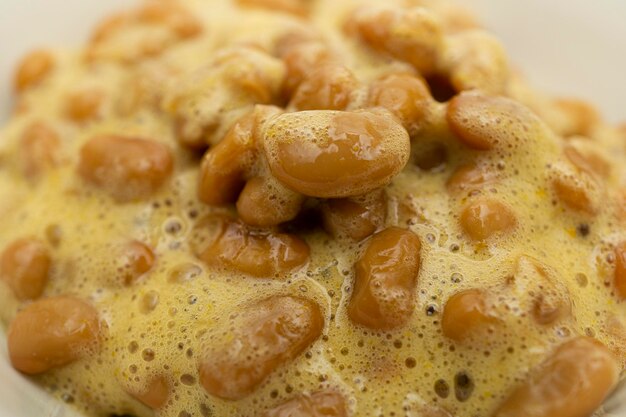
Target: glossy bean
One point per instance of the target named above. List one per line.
(326, 88)
(470, 178)
(572, 382)
(484, 218)
(155, 394)
(413, 35)
(52, 332)
(125, 167)
(466, 314)
(264, 202)
(136, 259)
(334, 154)
(224, 168)
(272, 332)
(385, 280)
(405, 95)
(225, 243)
(482, 121)
(25, 267)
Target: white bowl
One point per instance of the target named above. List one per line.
(568, 47)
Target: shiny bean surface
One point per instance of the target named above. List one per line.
(52, 332)
(300, 60)
(265, 203)
(412, 35)
(333, 154)
(317, 404)
(223, 166)
(127, 168)
(155, 394)
(385, 280)
(326, 88)
(467, 313)
(405, 95)
(273, 332)
(225, 243)
(483, 122)
(575, 191)
(136, 259)
(25, 267)
(572, 382)
(470, 178)
(484, 218)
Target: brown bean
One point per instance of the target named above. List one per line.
(355, 217)
(549, 297)
(332, 154)
(470, 178)
(326, 88)
(581, 116)
(476, 60)
(136, 259)
(619, 277)
(297, 7)
(385, 280)
(39, 149)
(25, 267)
(405, 95)
(272, 333)
(299, 60)
(572, 382)
(484, 218)
(155, 394)
(317, 404)
(574, 190)
(84, 105)
(483, 122)
(467, 313)
(229, 244)
(52, 332)
(224, 167)
(33, 69)
(412, 35)
(205, 102)
(171, 15)
(125, 167)
(586, 157)
(264, 202)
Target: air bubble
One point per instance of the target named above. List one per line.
(147, 355)
(463, 386)
(442, 389)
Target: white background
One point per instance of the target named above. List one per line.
(572, 47)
